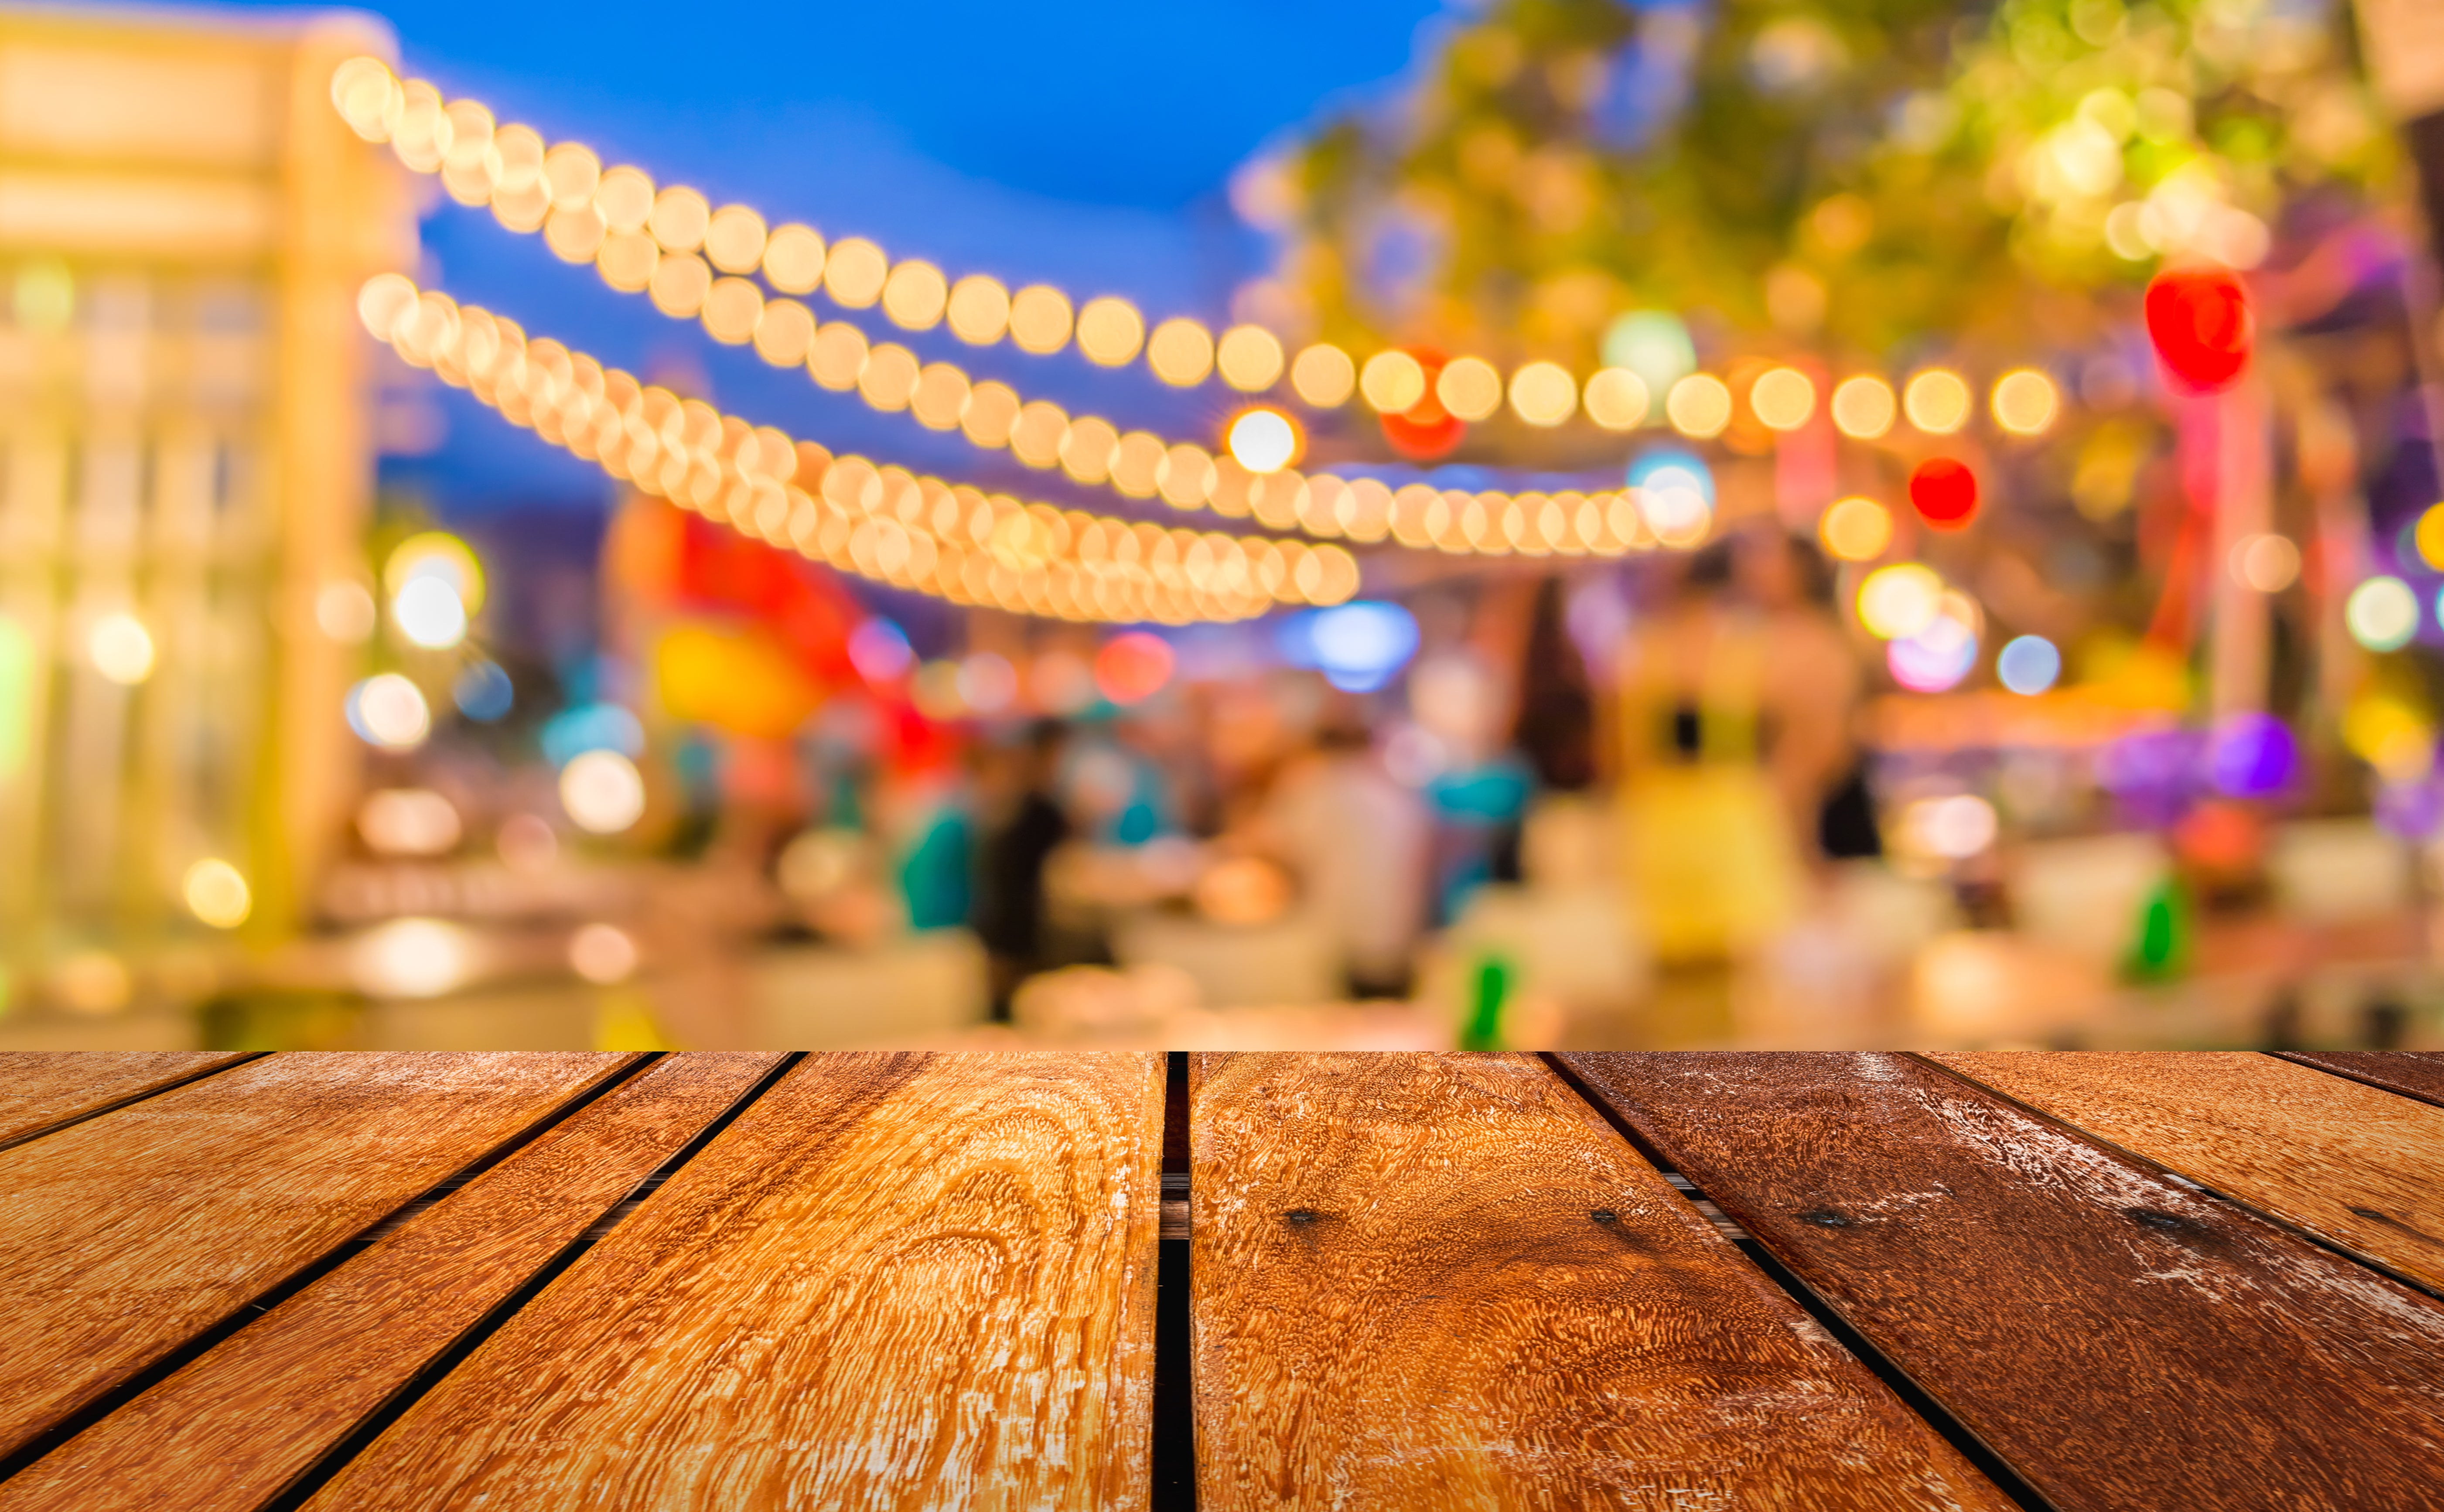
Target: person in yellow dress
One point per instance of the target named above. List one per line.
(1731, 729)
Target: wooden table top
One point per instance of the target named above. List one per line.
(1012, 1282)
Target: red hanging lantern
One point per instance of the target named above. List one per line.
(2198, 317)
(1944, 492)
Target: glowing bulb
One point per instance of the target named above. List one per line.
(1936, 401)
(120, 649)
(854, 273)
(1263, 440)
(1899, 601)
(1863, 407)
(435, 554)
(1250, 357)
(388, 710)
(1110, 330)
(1544, 393)
(978, 310)
(2268, 563)
(1855, 529)
(1617, 398)
(602, 954)
(1039, 319)
(2382, 613)
(1783, 398)
(1468, 387)
(1323, 376)
(603, 792)
(346, 611)
(1392, 382)
(913, 296)
(429, 614)
(793, 259)
(1698, 406)
(2029, 665)
(2026, 402)
(1180, 352)
(411, 958)
(216, 892)
(2429, 537)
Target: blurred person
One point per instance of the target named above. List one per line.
(1019, 824)
(1731, 705)
(1358, 842)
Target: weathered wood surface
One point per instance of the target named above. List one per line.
(2123, 1341)
(42, 1089)
(2353, 1165)
(1442, 1281)
(2412, 1073)
(126, 1235)
(239, 1424)
(897, 1282)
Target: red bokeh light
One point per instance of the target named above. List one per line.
(2199, 320)
(1944, 491)
(1425, 430)
(1133, 667)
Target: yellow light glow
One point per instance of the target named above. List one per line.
(915, 294)
(1898, 601)
(679, 283)
(2267, 564)
(120, 649)
(1040, 319)
(1618, 399)
(1783, 398)
(2026, 402)
(1863, 407)
(1250, 357)
(793, 259)
(889, 378)
(383, 301)
(979, 310)
(571, 175)
(1392, 380)
(625, 197)
(734, 239)
(854, 273)
(216, 892)
(1855, 529)
(733, 307)
(1544, 393)
(992, 410)
(1698, 406)
(678, 219)
(363, 91)
(575, 235)
(626, 260)
(1323, 376)
(785, 332)
(1110, 330)
(390, 712)
(1936, 401)
(603, 792)
(1181, 351)
(1468, 387)
(1087, 448)
(1264, 441)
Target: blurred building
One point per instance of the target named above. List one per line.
(185, 472)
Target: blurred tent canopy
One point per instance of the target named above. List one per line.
(1856, 177)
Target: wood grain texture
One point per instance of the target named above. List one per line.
(2123, 1341)
(126, 1235)
(897, 1282)
(236, 1426)
(42, 1089)
(2413, 1073)
(1442, 1281)
(2353, 1165)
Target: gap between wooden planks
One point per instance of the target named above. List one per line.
(1443, 1282)
(2126, 1343)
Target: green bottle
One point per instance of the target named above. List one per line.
(1484, 1028)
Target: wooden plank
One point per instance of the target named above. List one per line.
(125, 1236)
(43, 1089)
(2124, 1341)
(2353, 1165)
(2413, 1073)
(236, 1426)
(1441, 1280)
(898, 1280)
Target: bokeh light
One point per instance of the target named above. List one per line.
(603, 954)
(2428, 538)
(2382, 614)
(1944, 491)
(1357, 646)
(1698, 406)
(1264, 440)
(2026, 402)
(1783, 398)
(1653, 345)
(1938, 401)
(1180, 352)
(120, 648)
(1955, 827)
(1110, 330)
(2268, 563)
(978, 310)
(793, 259)
(854, 273)
(1468, 387)
(411, 958)
(2029, 665)
(1618, 399)
(878, 650)
(1934, 658)
(1133, 667)
(603, 792)
(1855, 529)
(1899, 601)
(1392, 380)
(2198, 319)
(1863, 407)
(1248, 358)
(408, 821)
(2252, 754)
(1323, 376)
(435, 554)
(1040, 319)
(988, 683)
(429, 614)
(1544, 393)
(483, 692)
(216, 892)
(389, 711)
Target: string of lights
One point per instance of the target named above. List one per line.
(696, 260)
(875, 521)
